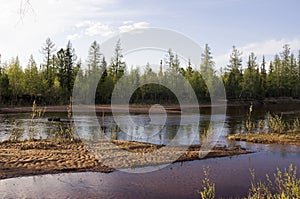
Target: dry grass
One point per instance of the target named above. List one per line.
(267, 138)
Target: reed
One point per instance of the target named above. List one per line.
(208, 187)
(36, 113)
(276, 124)
(249, 125)
(66, 133)
(16, 133)
(284, 185)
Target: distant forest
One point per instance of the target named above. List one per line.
(51, 82)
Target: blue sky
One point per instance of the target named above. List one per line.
(259, 26)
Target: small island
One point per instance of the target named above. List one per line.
(36, 157)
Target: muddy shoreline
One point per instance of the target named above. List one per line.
(50, 157)
(144, 108)
(268, 138)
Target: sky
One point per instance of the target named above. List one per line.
(259, 26)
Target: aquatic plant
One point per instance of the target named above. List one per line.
(36, 113)
(261, 125)
(65, 133)
(249, 125)
(285, 185)
(70, 131)
(276, 123)
(16, 133)
(208, 187)
(296, 124)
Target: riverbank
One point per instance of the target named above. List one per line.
(267, 138)
(49, 157)
(144, 108)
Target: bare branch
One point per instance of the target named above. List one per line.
(25, 8)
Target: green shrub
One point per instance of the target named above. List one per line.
(208, 188)
(285, 185)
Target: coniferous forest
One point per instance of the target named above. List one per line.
(51, 82)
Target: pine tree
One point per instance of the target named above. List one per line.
(263, 78)
(15, 76)
(208, 73)
(297, 82)
(277, 78)
(47, 49)
(251, 79)
(66, 70)
(117, 66)
(94, 58)
(285, 71)
(233, 83)
(31, 77)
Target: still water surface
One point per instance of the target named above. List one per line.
(179, 180)
(158, 128)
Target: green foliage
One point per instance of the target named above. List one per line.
(65, 133)
(261, 126)
(233, 79)
(15, 77)
(249, 125)
(36, 113)
(276, 123)
(51, 82)
(208, 187)
(296, 124)
(285, 185)
(16, 133)
(251, 82)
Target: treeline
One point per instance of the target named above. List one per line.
(51, 82)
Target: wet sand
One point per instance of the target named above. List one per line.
(49, 157)
(268, 138)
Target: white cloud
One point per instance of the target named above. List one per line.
(270, 47)
(47, 18)
(267, 48)
(130, 26)
(83, 24)
(127, 22)
(99, 29)
(93, 28)
(73, 37)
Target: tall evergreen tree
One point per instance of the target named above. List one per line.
(207, 72)
(285, 71)
(48, 49)
(251, 79)
(94, 57)
(66, 69)
(234, 81)
(15, 76)
(263, 78)
(117, 66)
(31, 79)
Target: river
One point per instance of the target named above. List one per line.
(178, 180)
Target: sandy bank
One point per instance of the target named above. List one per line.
(47, 157)
(267, 138)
